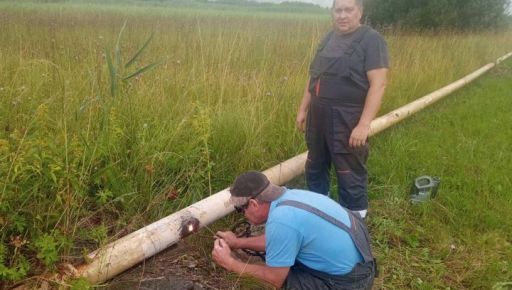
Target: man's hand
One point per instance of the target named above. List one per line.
(221, 254)
(230, 238)
(301, 120)
(302, 113)
(377, 79)
(359, 136)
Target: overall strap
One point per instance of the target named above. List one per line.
(319, 213)
(357, 229)
(357, 41)
(324, 41)
(351, 48)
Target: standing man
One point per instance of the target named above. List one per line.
(343, 95)
(311, 242)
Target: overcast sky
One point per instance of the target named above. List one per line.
(323, 3)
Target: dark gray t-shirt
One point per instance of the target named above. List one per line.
(370, 53)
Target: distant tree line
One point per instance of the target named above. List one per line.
(435, 14)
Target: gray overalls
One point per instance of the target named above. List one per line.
(362, 275)
(337, 102)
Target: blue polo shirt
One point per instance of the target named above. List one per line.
(295, 234)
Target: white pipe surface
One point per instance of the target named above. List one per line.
(130, 250)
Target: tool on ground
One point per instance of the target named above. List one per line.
(242, 229)
(424, 188)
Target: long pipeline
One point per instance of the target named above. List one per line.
(130, 250)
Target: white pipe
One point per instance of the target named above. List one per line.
(503, 58)
(401, 113)
(130, 250)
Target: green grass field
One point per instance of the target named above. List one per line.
(461, 239)
(80, 165)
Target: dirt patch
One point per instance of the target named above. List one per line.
(186, 265)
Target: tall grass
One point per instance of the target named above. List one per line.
(80, 167)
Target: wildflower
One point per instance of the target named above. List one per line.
(172, 193)
(41, 111)
(16, 101)
(18, 242)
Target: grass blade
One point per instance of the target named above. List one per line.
(139, 52)
(141, 70)
(112, 73)
(118, 45)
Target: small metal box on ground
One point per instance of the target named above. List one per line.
(424, 188)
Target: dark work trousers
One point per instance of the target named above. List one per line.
(329, 125)
(301, 277)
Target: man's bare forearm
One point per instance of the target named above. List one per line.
(256, 243)
(306, 99)
(373, 101)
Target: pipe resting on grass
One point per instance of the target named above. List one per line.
(130, 250)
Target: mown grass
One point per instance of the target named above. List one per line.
(461, 239)
(79, 167)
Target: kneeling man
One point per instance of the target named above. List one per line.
(311, 242)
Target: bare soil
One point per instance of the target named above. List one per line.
(186, 265)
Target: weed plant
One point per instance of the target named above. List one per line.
(81, 166)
